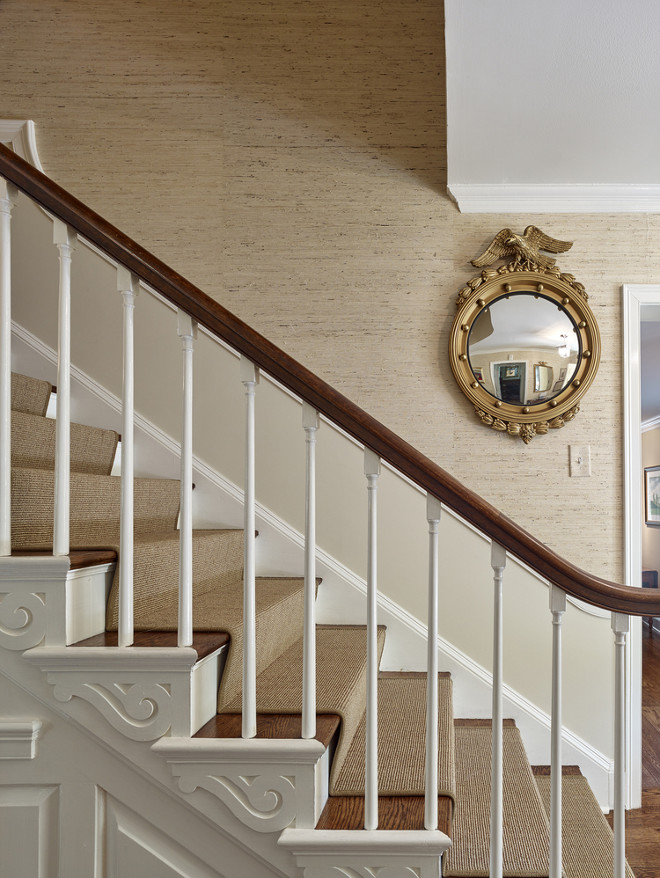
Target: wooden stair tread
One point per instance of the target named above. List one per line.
(204, 642)
(78, 558)
(275, 726)
(394, 812)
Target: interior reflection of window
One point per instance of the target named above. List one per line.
(523, 348)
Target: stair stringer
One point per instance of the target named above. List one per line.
(342, 596)
(98, 805)
(143, 704)
(263, 796)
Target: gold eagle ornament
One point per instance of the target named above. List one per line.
(525, 247)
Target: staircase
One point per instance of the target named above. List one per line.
(464, 744)
(204, 667)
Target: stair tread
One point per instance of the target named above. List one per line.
(204, 642)
(29, 395)
(91, 449)
(582, 818)
(526, 836)
(402, 739)
(95, 507)
(394, 812)
(273, 726)
(340, 680)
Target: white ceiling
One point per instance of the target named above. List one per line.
(553, 106)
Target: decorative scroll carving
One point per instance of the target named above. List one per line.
(489, 274)
(23, 620)
(266, 802)
(142, 712)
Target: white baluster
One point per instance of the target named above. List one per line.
(433, 512)
(127, 286)
(187, 331)
(64, 239)
(620, 626)
(557, 608)
(310, 426)
(249, 378)
(8, 196)
(498, 563)
(372, 472)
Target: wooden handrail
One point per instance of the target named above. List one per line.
(324, 398)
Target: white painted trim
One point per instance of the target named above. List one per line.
(112, 658)
(379, 842)
(555, 198)
(18, 740)
(635, 296)
(651, 424)
(20, 135)
(43, 568)
(257, 750)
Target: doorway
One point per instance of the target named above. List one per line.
(641, 303)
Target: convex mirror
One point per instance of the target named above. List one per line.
(524, 346)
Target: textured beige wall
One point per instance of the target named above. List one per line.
(289, 158)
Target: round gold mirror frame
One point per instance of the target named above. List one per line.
(521, 420)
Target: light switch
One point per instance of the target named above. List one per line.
(579, 457)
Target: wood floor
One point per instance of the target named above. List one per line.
(643, 826)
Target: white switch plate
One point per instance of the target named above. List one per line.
(579, 457)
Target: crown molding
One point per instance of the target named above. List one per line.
(20, 135)
(555, 198)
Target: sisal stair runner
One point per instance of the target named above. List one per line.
(464, 745)
(583, 819)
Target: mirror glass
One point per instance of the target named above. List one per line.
(523, 348)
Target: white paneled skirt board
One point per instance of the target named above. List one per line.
(70, 806)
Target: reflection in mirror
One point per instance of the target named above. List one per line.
(523, 348)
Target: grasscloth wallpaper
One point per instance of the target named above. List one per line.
(288, 156)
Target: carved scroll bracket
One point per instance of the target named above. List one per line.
(142, 696)
(266, 784)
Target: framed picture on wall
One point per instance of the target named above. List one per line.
(652, 495)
